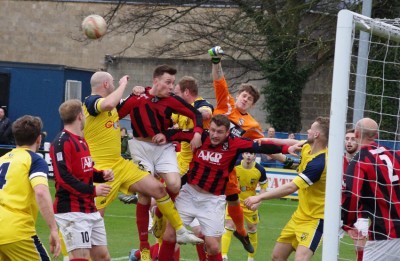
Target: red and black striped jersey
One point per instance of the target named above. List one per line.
(151, 115)
(74, 174)
(211, 165)
(372, 187)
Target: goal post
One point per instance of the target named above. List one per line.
(348, 25)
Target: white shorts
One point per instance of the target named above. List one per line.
(195, 223)
(208, 209)
(82, 230)
(382, 250)
(154, 158)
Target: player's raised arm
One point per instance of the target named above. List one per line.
(103, 84)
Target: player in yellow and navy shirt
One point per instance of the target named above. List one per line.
(249, 174)
(102, 133)
(303, 232)
(23, 191)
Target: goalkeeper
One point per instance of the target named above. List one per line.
(242, 125)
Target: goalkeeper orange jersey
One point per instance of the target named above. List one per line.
(242, 125)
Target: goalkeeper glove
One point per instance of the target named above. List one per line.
(215, 54)
(290, 163)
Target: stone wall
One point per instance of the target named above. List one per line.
(48, 32)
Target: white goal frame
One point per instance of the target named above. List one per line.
(346, 23)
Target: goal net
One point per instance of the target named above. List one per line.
(366, 83)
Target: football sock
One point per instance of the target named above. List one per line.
(226, 241)
(236, 213)
(167, 250)
(167, 208)
(177, 253)
(217, 257)
(254, 241)
(142, 222)
(201, 253)
(154, 249)
(360, 254)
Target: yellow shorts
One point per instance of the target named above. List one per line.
(126, 173)
(183, 164)
(251, 217)
(304, 233)
(26, 249)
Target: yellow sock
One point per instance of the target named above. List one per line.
(167, 208)
(226, 241)
(254, 241)
(63, 247)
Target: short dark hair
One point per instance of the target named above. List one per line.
(221, 120)
(350, 130)
(26, 130)
(69, 110)
(189, 83)
(250, 89)
(161, 69)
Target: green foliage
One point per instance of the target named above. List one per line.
(383, 87)
(283, 96)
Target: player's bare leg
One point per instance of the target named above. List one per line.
(303, 254)
(281, 251)
(99, 253)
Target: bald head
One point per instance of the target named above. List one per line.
(98, 78)
(366, 129)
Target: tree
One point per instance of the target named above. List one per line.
(284, 40)
(383, 87)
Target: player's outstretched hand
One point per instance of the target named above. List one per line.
(296, 148)
(108, 175)
(102, 190)
(216, 54)
(55, 245)
(252, 202)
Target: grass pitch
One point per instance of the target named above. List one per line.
(122, 235)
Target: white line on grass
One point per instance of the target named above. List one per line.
(119, 216)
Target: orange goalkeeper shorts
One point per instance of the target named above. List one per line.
(233, 186)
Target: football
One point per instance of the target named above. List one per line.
(94, 26)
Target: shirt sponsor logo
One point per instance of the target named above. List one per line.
(109, 124)
(87, 163)
(213, 157)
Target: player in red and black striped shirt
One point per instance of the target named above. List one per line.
(76, 214)
(351, 148)
(372, 187)
(203, 196)
(150, 115)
